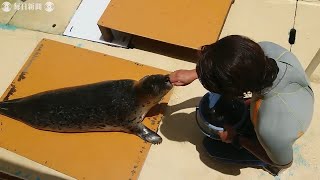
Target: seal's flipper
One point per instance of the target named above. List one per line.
(147, 134)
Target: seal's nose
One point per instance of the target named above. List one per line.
(168, 82)
(167, 78)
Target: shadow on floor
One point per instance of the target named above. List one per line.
(166, 49)
(182, 127)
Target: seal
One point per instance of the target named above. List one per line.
(116, 105)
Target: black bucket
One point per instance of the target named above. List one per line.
(214, 111)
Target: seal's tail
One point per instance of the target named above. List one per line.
(5, 108)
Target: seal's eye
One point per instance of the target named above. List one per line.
(145, 77)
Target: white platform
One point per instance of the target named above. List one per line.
(83, 24)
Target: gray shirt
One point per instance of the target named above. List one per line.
(284, 112)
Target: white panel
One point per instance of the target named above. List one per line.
(83, 24)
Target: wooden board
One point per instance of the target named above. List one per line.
(98, 155)
(184, 23)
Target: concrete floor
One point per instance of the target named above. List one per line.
(181, 155)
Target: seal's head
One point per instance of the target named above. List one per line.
(152, 88)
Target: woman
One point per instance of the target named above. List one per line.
(282, 100)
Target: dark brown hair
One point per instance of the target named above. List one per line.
(234, 65)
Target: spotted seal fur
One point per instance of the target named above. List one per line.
(117, 105)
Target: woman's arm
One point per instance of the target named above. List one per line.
(183, 77)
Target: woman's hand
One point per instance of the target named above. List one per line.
(183, 77)
(228, 134)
